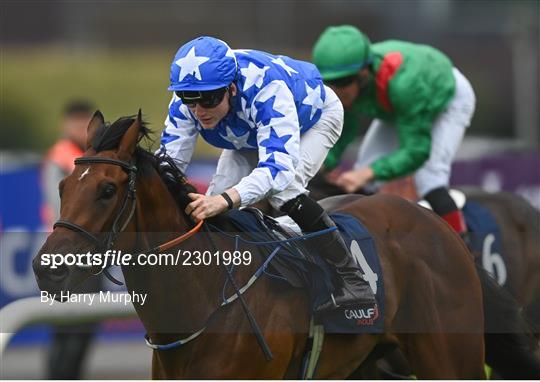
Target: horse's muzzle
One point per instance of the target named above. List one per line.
(46, 273)
(53, 275)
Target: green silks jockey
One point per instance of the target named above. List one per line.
(421, 106)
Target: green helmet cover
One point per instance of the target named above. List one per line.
(341, 51)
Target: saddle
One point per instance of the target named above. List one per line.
(297, 264)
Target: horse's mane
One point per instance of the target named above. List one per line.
(108, 137)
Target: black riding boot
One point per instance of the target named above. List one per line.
(311, 217)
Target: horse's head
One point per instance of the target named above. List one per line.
(97, 202)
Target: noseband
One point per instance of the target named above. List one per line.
(116, 228)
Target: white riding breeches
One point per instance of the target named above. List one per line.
(233, 165)
(447, 133)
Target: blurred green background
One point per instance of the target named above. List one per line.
(36, 82)
(117, 53)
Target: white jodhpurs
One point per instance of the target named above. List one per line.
(447, 133)
(233, 165)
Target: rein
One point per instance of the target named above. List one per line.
(179, 239)
(226, 301)
(130, 195)
(240, 291)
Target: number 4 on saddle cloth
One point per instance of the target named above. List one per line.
(297, 265)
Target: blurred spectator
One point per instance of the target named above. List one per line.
(70, 343)
(59, 159)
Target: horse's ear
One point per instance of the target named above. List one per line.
(127, 145)
(95, 123)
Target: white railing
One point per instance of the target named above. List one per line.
(27, 311)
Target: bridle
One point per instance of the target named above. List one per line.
(117, 228)
(129, 197)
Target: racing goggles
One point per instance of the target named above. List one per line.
(206, 99)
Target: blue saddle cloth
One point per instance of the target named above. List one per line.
(296, 264)
(485, 240)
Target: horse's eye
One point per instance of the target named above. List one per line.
(108, 191)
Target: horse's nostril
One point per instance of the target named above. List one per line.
(56, 274)
(59, 273)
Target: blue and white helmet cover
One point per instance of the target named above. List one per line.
(205, 63)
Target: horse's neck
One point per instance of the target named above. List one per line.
(179, 297)
(158, 210)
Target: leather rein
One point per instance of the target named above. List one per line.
(130, 195)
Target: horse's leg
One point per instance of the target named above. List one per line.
(376, 367)
(432, 289)
(229, 349)
(432, 320)
(395, 363)
(229, 356)
(444, 356)
(342, 354)
(157, 367)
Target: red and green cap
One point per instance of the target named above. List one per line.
(341, 51)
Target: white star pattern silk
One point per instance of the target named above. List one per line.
(254, 75)
(279, 61)
(261, 178)
(238, 142)
(242, 114)
(190, 65)
(313, 99)
(185, 132)
(273, 106)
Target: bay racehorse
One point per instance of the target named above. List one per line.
(519, 223)
(121, 196)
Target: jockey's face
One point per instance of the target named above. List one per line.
(346, 94)
(210, 117)
(349, 92)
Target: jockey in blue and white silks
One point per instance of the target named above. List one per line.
(276, 122)
(277, 100)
